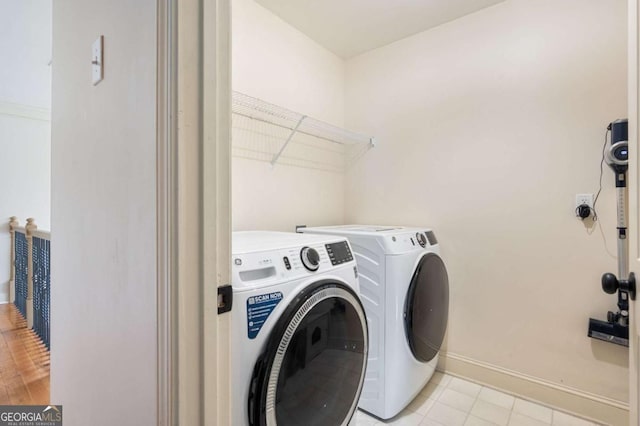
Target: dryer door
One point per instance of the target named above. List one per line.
(312, 370)
(427, 307)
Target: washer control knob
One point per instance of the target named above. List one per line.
(310, 258)
(422, 240)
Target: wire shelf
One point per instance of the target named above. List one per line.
(266, 132)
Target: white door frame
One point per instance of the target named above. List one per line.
(194, 210)
(634, 196)
(216, 205)
(634, 187)
(166, 185)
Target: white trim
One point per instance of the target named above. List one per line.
(191, 239)
(215, 225)
(25, 111)
(633, 100)
(564, 398)
(166, 193)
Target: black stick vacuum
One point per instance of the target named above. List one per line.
(616, 328)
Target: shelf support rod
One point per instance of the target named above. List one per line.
(293, 132)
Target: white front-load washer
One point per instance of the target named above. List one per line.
(404, 287)
(299, 331)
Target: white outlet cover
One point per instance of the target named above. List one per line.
(97, 70)
(584, 199)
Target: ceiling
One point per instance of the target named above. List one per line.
(351, 27)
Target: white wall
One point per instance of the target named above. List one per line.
(276, 63)
(488, 126)
(25, 179)
(25, 49)
(103, 336)
(25, 98)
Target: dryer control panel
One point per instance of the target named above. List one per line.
(339, 252)
(414, 239)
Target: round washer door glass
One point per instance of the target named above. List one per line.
(313, 368)
(427, 307)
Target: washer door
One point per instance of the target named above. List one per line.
(312, 370)
(427, 307)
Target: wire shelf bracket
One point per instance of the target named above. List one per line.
(293, 132)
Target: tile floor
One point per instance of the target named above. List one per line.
(450, 401)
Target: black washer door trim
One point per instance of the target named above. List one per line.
(266, 379)
(427, 307)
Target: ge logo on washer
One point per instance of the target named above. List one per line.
(258, 310)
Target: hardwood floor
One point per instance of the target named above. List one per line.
(24, 361)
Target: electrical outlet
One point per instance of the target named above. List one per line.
(584, 199)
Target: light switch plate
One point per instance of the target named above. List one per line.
(97, 61)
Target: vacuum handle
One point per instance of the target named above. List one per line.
(610, 284)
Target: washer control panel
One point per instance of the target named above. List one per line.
(432, 238)
(261, 259)
(310, 258)
(339, 252)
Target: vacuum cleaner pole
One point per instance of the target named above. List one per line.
(616, 328)
(623, 248)
(623, 253)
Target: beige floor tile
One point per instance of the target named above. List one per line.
(518, 419)
(428, 422)
(440, 378)
(476, 421)
(464, 387)
(562, 419)
(432, 390)
(495, 397)
(421, 404)
(452, 401)
(535, 411)
(491, 413)
(448, 416)
(456, 400)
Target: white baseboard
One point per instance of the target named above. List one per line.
(5, 290)
(4, 295)
(583, 404)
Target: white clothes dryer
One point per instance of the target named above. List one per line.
(404, 287)
(299, 331)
